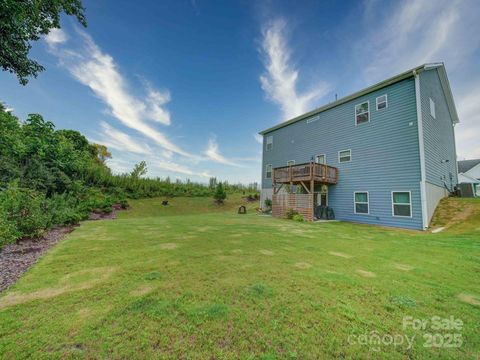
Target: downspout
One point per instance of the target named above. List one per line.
(421, 145)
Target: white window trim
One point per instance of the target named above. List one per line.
(266, 171)
(313, 118)
(341, 162)
(324, 156)
(268, 143)
(290, 161)
(410, 198)
(368, 102)
(432, 108)
(358, 202)
(386, 102)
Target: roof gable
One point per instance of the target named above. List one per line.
(466, 165)
(405, 75)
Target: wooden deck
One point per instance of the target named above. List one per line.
(296, 174)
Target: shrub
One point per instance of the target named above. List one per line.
(268, 203)
(297, 217)
(291, 213)
(220, 194)
(8, 231)
(25, 209)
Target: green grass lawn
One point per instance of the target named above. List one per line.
(196, 281)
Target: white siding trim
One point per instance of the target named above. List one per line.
(421, 146)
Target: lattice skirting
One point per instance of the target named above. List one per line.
(303, 203)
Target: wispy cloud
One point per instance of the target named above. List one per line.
(118, 140)
(177, 168)
(258, 138)
(213, 153)
(56, 37)
(280, 79)
(424, 31)
(98, 70)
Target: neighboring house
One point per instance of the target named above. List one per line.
(469, 177)
(384, 155)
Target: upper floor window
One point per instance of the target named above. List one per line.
(362, 113)
(269, 143)
(401, 203)
(268, 171)
(290, 162)
(321, 159)
(361, 202)
(382, 102)
(345, 156)
(313, 118)
(432, 108)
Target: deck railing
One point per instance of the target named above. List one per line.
(306, 172)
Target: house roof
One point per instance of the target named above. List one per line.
(465, 165)
(465, 179)
(405, 75)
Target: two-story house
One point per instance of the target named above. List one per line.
(384, 155)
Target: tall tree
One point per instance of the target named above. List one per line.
(139, 170)
(24, 21)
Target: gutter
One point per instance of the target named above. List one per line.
(421, 146)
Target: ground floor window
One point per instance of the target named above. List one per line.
(361, 202)
(401, 203)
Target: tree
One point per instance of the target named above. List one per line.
(139, 170)
(220, 193)
(102, 153)
(25, 21)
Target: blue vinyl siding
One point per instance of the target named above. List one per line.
(385, 154)
(438, 132)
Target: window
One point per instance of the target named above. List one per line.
(321, 159)
(362, 113)
(268, 171)
(432, 108)
(382, 102)
(269, 143)
(401, 203)
(345, 156)
(290, 162)
(361, 202)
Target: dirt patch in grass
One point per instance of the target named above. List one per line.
(451, 211)
(469, 299)
(303, 265)
(168, 246)
(88, 279)
(367, 274)
(403, 267)
(267, 252)
(340, 254)
(142, 290)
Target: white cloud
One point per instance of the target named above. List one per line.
(177, 168)
(213, 153)
(280, 79)
(118, 140)
(56, 37)
(99, 72)
(258, 138)
(422, 31)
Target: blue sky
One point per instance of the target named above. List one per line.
(186, 85)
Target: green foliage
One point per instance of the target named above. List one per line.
(139, 170)
(290, 213)
(220, 195)
(25, 21)
(297, 217)
(268, 203)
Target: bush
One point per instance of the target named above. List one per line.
(291, 213)
(8, 231)
(25, 209)
(220, 194)
(297, 217)
(268, 203)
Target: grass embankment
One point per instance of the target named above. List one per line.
(195, 281)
